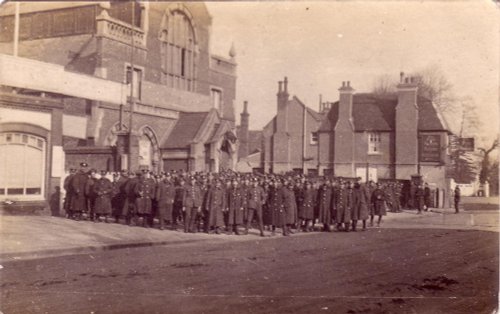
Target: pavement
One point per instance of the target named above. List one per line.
(32, 237)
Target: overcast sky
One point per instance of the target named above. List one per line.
(320, 44)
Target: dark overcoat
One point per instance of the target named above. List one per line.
(144, 191)
(378, 202)
(306, 209)
(290, 205)
(275, 207)
(102, 189)
(79, 199)
(342, 205)
(325, 204)
(235, 203)
(165, 195)
(216, 203)
(361, 201)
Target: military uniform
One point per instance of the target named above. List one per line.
(69, 194)
(165, 195)
(256, 197)
(79, 198)
(119, 200)
(343, 209)
(361, 200)
(291, 211)
(144, 191)
(216, 204)
(236, 211)
(325, 206)
(192, 202)
(378, 202)
(102, 189)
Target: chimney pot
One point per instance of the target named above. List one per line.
(280, 84)
(343, 83)
(286, 84)
(348, 83)
(407, 80)
(401, 76)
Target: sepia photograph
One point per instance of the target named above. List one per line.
(287, 156)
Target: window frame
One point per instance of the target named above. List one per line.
(35, 142)
(374, 140)
(221, 99)
(136, 69)
(312, 141)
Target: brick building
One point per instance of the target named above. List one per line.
(289, 142)
(376, 137)
(115, 84)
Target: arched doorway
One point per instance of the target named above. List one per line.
(149, 152)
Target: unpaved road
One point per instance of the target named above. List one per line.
(378, 271)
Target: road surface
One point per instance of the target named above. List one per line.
(377, 271)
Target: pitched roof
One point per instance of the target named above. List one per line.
(373, 112)
(185, 129)
(316, 115)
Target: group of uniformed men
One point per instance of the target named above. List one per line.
(227, 202)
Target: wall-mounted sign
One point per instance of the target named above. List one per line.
(430, 148)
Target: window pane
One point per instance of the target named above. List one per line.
(33, 191)
(34, 159)
(14, 165)
(15, 191)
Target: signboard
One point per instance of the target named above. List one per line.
(467, 144)
(430, 148)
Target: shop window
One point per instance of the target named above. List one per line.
(22, 165)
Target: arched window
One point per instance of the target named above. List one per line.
(178, 53)
(22, 165)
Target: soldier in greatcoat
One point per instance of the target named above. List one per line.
(290, 206)
(103, 188)
(191, 204)
(378, 203)
(235, 207)
(256, 198)
(90, 194)
(306, 209)
(275, 205)
(202, 221)
(216, 204)
(69, 193)
(244, 187)
(178, 213)
(361, 201)
(144, 190)
(298, 190)
(79, 198)
(325, 205)
(165, 196)
(129, 208)
(119, 199)
(343, 218)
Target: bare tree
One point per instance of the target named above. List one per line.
(486, 169)
(384, 84)
(433, 84)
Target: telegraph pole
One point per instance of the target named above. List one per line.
(132, 98)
